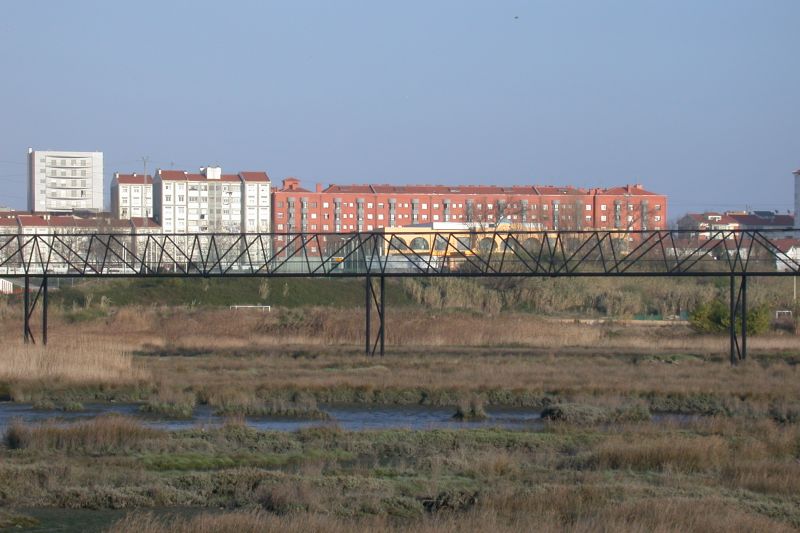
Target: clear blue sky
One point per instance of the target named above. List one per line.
(696, 99)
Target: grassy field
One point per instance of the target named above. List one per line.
(603, 462)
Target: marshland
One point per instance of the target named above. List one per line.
(629, 421)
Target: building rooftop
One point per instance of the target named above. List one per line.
(133, 179)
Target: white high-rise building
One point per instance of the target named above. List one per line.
(131, 196)
(65, 181)
(797, 199)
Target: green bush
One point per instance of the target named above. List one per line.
(715, 317)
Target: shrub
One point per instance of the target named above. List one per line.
(715, 317)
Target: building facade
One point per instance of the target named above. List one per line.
(797, 201)
(63, 182)
(131, 196)
(212, 202)
(353, 208)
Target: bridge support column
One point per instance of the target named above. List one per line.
(371, 298)
(26, 330)
(738, 317)
(44, 311)
(368, 308)
(29, 305)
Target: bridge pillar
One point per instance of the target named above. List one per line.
(26, 311)
(371, 298)
(738, 314)
(29, 306)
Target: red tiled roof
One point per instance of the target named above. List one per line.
(452, 189)
(228, 177)
(634, 190)
(755, 221)
(254, 176)
(139, 222)
(704, 218)
(32, 220)
(786, 244)
(172, 174)
(133, 179)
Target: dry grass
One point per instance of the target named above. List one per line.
(675, 453)
(98, 435)
(563, 509)
(215, 328)
(74, 360)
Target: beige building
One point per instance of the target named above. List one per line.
(60, 181)
(132, 196)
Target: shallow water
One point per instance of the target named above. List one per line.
(347, 417)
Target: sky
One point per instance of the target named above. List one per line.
(696, 99)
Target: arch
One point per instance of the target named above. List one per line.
(531, 244)
(397, 243)
(419, 244)
(487, 244)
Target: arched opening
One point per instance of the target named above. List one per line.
(397, 243)
(419, 244)
(486, 245)
(440, 243)
(531, 244)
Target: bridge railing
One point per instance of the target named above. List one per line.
(467, 253)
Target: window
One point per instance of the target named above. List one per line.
(369, 216)
(603, 207)
(180, 198)
(602, 218)
(167, 197)
(436, 206)
(588, 207)
(588, 217)
(369, 206)
(424, 206)
(380, 216)
(657, 218)
(488, 206)
(435, 217)
(313, 215)
(325, 205)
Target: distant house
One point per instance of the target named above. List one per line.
(763, 220)
(788, 256)
(705, 226)
(6, 287)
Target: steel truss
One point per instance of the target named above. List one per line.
(479, 253)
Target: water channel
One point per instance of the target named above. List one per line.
(346, 417)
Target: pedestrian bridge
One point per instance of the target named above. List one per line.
(472, 253)
(735, 254)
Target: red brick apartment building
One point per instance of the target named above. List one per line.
(350, 208)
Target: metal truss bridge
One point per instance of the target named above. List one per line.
(736, 254)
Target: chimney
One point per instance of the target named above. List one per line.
(211, 173)
(319, 187)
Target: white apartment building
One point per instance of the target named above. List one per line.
(64, 181)
(211, 202)
(132, 196)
